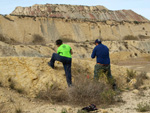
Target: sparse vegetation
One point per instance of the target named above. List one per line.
(143, 107)
(86, 91)
(53, 94)
(130, 37)
(38, 40)
(139, 79)
(64, 110)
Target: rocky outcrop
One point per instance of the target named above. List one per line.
(96, 13)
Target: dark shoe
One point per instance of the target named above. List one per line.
(52, 66)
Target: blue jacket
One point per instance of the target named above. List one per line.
(102, 53)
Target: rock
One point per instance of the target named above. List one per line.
(135, 91)
(78, 12)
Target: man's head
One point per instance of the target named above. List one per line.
(59, 42)
(97, 41)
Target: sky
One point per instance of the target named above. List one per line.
(141, 7)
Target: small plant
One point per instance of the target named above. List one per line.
(131, 74)
(64, 110)
(136, 22)
(139, 79)
(143, 107)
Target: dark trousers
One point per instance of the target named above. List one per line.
(66, 64)
(99, 69)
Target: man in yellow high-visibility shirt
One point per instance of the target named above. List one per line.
(63, 55)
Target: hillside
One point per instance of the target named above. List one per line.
(27, 41)
(25, 23)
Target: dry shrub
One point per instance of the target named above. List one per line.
(53, 94)
(130, 37)
(86, 91)
(143, 107)
(130, 75)
(37, 39)
(139, 79)
(83, 92)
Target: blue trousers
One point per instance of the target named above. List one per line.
(66, 64)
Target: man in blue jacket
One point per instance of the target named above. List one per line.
(101, 52)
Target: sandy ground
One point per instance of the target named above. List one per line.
(13, 101)
(10, 100)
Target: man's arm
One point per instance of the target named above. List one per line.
(71, 51)
(93, 53)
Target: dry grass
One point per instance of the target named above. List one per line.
(143, 107)
(53, 94)
(139, 79)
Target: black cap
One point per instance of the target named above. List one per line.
(98, 41)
